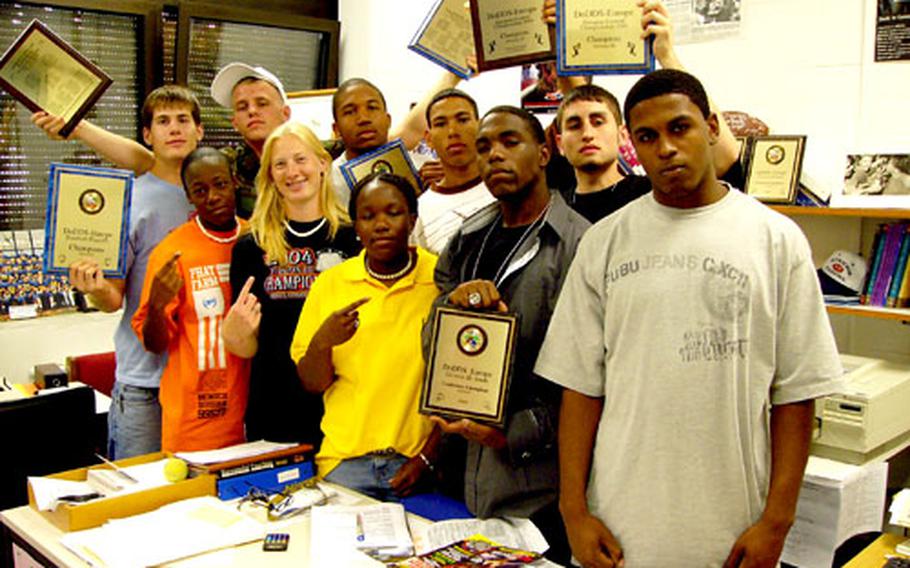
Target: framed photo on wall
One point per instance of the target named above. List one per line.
(875, 181)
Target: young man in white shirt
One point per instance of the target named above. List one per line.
(451, 131)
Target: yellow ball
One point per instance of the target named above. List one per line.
(175, 470)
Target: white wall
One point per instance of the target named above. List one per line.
(26, 343)
(802, 66)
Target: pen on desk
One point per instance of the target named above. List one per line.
(360, 535)
(79, 498)
(117, 468)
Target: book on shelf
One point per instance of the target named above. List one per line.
(889, 258)
(874, 263)
(903, 296)
(900, 269)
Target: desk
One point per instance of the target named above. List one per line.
(873, 556)
(29, 530)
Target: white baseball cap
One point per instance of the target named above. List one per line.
(843, 274)
(232, 73)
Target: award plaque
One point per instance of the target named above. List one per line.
(601, 37)
(87, 217)
(446, 37)
(392, 158)
(510, 32)
(470, 365)
(43, 72)
(774, 167)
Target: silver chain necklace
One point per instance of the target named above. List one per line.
(309, 233)
(505, 263)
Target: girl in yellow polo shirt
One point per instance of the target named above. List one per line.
(358, 342)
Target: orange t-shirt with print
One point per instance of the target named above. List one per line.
(203, 387)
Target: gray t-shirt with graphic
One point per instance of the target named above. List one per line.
(691, 323)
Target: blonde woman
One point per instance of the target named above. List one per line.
(298, 230)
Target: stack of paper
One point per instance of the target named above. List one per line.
(379, 530)
(837, 501)
(231, 453)
(175, 531)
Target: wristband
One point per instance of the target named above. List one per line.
(426, 461)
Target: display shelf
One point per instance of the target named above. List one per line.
(897, 314)
(795, 210)
(858, 213)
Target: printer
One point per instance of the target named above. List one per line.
(870, 418)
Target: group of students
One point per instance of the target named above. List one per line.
(667, 357)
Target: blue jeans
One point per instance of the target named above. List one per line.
(133, 422)
(369, 475)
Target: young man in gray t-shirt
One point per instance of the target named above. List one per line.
(691, 339)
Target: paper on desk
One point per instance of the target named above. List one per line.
(836, 501)
(236, 452)
(900, 508)
(511, 532)
(174, 531)
(47, 491)
(381, 529)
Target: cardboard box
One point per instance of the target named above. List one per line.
(79, 516)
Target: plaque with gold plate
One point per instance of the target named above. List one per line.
(775, 163)
(470, 365)
(391, 158)
(43, 72)
(88, 216)
(601, 37)
(509, 33)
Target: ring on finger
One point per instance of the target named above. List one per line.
(474, 298)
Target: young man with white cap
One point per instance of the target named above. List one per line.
(259, 106)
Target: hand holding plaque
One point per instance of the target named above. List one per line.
(446, 37)
(43, 72)
(600, 37)
(510, 32)
(470, 365)
(87, 217)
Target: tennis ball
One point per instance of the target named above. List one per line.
(175, 470)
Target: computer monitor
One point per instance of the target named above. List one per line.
(44, 434)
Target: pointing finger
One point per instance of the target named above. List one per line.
(246, 287)
(354, 305)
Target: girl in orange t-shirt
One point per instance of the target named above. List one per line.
(184, 300)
